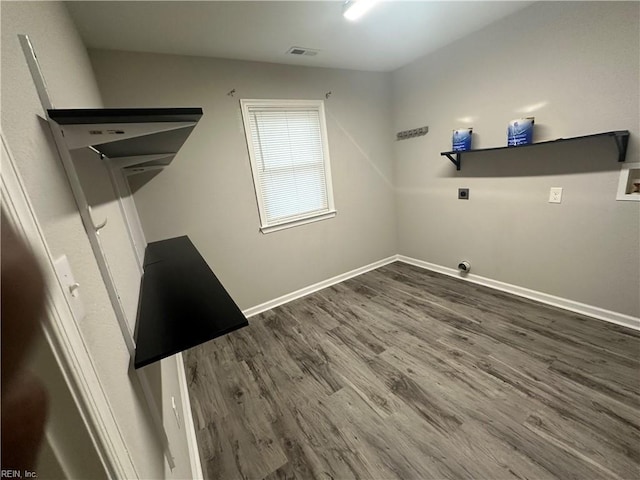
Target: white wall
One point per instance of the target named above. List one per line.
(207, 192)
(71, 84)
(579, 62)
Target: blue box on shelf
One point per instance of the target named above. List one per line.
(461, 139)
(520, 131)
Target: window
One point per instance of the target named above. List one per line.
(288, 148)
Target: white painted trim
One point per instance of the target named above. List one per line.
(295, 223)
(263, 307)
(623, 182)
(63, 333)
(564, 303)
(155, 412)
(190, 429)
(129, 213)
(286, 106)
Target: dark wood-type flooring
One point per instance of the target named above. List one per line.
(402, 373)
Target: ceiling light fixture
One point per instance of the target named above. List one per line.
(354, 9)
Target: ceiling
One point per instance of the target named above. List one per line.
(391, 35)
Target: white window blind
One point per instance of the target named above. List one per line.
(289, 160)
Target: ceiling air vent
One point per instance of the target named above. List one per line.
(302, 51)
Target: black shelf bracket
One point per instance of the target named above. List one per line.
(456, 160)
(622, 141)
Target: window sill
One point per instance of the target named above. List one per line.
(295, 223)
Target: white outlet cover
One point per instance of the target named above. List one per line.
(555, 195)
(70, 287)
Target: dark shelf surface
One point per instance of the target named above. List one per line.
(182, 302)
(129, 132)
(84, 116)
(620, 136)
(161, 142)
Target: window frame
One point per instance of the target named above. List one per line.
(288, 105)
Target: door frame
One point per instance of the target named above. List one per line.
(62, 332)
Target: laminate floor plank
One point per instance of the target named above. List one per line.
(208, 398)
(574, 327)
(433, 408)
(571, 436)
(299, 450)
(562, 463)
(247, 427)
(484, 299)
(457, 390)
(307, 354)
(470, 452)
(598, 414)
(402, 373)
(313, 441)
(385, 445)
(357, 374)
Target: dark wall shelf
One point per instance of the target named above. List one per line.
(621, 137)
(88, 116)
(138, 139)
(182, 303)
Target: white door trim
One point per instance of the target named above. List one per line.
(63, 333)
(94, 240)
(192, 441)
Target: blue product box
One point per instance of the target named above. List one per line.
(462, 139)
(520, 131)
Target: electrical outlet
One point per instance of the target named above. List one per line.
(555, 195)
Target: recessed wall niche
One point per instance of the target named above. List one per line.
(629, 183)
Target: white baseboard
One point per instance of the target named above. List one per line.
(566, 304)
(276, 302)
(63, 337)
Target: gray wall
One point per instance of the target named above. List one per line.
(574, 66)
(207, 192)
(578, 63)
